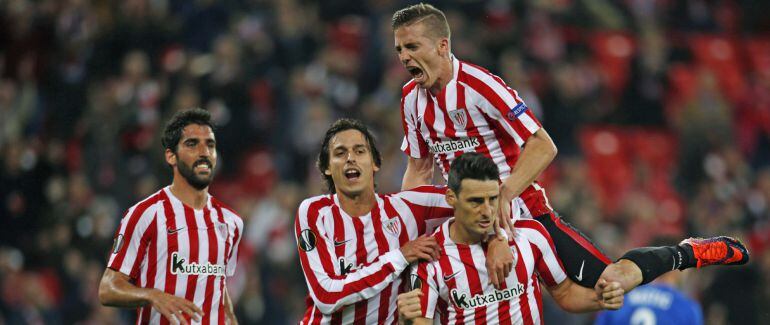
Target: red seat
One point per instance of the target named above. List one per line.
(682, 81)
(721, 55)
(655, 148)
(613, 52)
(616, 156)
(758, 52)
(609, 167)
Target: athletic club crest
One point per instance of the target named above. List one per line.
(392, 226)
(458, 117)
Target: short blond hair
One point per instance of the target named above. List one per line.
(433, 18)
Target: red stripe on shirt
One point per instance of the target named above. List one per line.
(152, 267)
(339, 232)
(339, 236)
(403, 236)
(213, 259)
(471, 129)
(173, 245)
(192, 233)
(446, 269)
(474, 281)
(503, 306)
(498, 103)
(538, 295)
(430, 119)
(508, 145)
(133, 220)
(360, 307)
(382, 248)
(523, 278)
(149, 233)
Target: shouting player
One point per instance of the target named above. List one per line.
(458, 281)
(451, 107)
(174, 249)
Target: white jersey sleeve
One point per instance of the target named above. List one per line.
(137, 229)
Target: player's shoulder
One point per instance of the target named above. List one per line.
(530, 228)
(479, 74)
(426, 195)
(425, 189)
(147, 206)
(314, 203)
(468, 66)
(226, 209)
(408, 87)
(528, 224)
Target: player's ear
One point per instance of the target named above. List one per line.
(327, 172)
(443, 46)
(451, 197)
(170, 157)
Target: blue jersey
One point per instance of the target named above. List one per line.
(654, 304)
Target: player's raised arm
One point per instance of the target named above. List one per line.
(427, 203)
(419, 167)
(333, 290)
(539, 150)
(513, 117)
(419, 171)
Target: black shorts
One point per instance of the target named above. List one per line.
(583, 261)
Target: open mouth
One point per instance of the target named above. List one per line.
(352, 174)
(485, 223)
(416, 72)
(204, 167)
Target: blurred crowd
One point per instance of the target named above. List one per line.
(660, 110)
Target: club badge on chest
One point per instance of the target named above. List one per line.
(458, 117)
(392, 226)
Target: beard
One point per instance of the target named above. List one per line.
(199, 182)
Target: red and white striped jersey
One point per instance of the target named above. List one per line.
(353, 264)
(164, 244)
(475, 112)
(457, 285)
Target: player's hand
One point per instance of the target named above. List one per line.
(174, 308)
(423, 248)
(499, 261)
(504, 220)
(409, 306)
(609, 294)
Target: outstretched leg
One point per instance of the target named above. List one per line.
(642, 265)
(586, 264)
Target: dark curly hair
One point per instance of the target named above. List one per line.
(172, 132)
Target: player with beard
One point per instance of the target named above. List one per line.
(174, 249)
